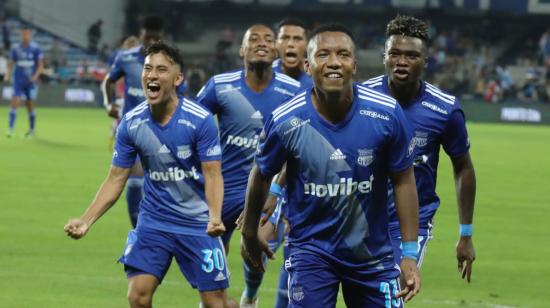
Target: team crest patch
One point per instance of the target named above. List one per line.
(365, 157)
(184, 151)
(420, 139)
(297, 293)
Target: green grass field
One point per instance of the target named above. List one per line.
(52, 177)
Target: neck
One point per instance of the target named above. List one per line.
(293, 72)
(258, 76)
(163, 111)
(404, 94)
(333, 106)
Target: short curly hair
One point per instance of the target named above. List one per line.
(408, 26)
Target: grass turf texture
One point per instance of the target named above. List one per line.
(52, 177)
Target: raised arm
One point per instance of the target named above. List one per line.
(213, 189)
(106, 196)
(406, 203)
(465, 185)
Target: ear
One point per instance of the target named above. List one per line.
(241, 52)
(179, 79)
(354, 67)
(306, 67)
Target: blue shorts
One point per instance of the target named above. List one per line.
(231, 209)
(201, 259)
(27, 91)
(424, 236)
(314, 281)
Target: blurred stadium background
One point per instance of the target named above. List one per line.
(493, 54)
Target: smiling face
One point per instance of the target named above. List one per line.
(331, 61)
(159, 78)
(404, 59)
(291, 46)
(258, 45)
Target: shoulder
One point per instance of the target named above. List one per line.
(287, 81)
(138, 112)
(373, 82)
(229, 77)
(296, 105)
(376, 105)
(35, 46)
(438, 100)
(193, 110)
(128, 54)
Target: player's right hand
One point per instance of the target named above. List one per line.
(410, 279)
(76, 228)
(252, 251)
(113, 111)
(215, 227)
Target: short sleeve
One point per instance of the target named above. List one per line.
(271, 153)
(39, 54)
(401, 146)
(124, 155)
(207, 96)
(455, 139)
(116, 69)
(208, 142)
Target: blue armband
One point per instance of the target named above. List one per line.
(275, 189)
(409, 250)
(465, 230)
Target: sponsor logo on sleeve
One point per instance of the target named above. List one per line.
(214, 151)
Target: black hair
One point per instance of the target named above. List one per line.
(331, 28)
(170, 51)
(292, 22)
(408, 26)
(153, 23)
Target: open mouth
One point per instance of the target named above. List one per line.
(291, 57)
(333, 76)
(153, 89)
(261, 52)
(401, 74)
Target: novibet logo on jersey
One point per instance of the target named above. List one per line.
(174, 174)
(345, 187)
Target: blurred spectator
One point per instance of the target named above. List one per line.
(529, 92)
(48, 74)
(3, 64)
(493, 92)
(196, 79)
(544, 45)
(94, 35)
(56, 54)
(84, 72)
(507, 83)
(63, 72)
(99, 71)
(5, 33)
(227, 36)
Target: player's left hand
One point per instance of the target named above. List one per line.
(410, 279)
(34, 78)
(215, 227)
(465, 253)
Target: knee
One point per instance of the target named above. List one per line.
(216, 299)
(140, 298)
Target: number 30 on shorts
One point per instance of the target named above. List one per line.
(213, 258)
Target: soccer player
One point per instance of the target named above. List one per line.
(28, 59)
(180, 214)
(341, 142)
(242, 99)
(436, 119)
(291, 47)
(129, 64)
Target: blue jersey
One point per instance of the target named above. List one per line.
(304, 79)
(171, 156)
(25, 59)
(337, 173)
(129, 64)
(435, 119)
(241, 114)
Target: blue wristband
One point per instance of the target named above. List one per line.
(275, 189)
(409, 250)
(465, 230)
